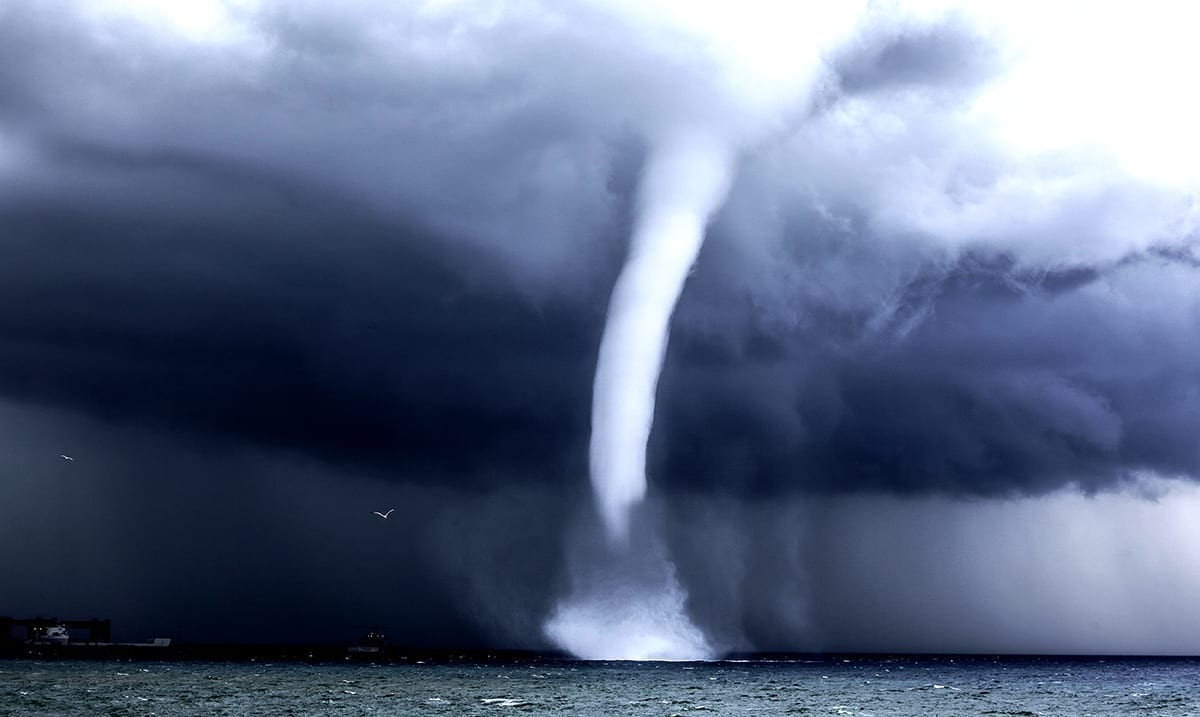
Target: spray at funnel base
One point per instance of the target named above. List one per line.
(625, 603)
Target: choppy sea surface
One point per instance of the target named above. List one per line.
(858, 686)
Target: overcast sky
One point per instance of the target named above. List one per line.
(266, 267)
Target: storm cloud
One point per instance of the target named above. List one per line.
(372, 246)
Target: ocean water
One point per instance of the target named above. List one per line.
(897, 686)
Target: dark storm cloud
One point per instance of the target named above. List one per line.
(367, 349)
(336, 258)
(186, 251)
(950, 54)
(181, 277)
(324, 332)
(479, 150)
(1009, 383)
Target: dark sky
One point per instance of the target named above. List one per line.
(265, 272)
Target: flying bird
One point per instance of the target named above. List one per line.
(65, 457)
(383, 515)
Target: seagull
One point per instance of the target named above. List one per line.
(65, 457)
(383, 515)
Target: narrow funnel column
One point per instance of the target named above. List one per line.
(685, 181)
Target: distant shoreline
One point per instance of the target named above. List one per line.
(339, 654)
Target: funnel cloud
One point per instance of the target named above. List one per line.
(683, 184)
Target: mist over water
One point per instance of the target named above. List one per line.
(625, 601)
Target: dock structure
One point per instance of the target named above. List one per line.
(21, 630)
